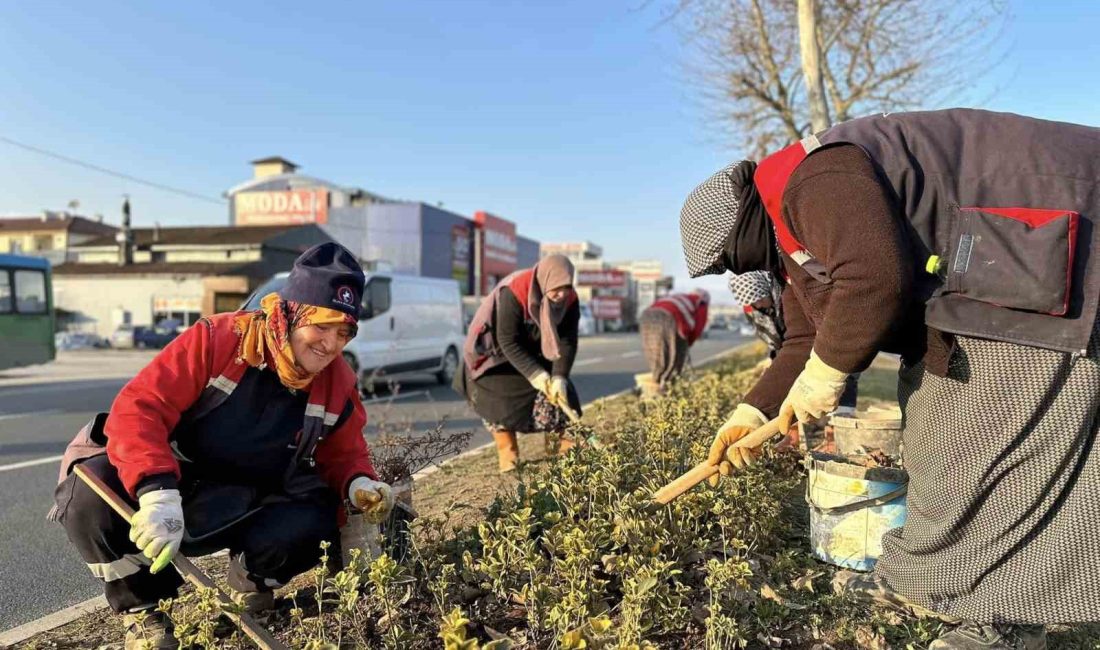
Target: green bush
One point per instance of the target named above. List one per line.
(577, 557)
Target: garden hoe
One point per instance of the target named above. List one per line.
(575, 418)
(264, 639)
(705, 470)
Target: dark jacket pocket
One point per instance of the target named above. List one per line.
(210, 508)
(1019, 258)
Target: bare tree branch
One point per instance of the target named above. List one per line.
(876, 55)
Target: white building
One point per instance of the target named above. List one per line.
(177, 273)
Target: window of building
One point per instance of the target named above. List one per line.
(30, 292)
(43, 242)
(5, 292)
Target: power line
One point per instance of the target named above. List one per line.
(111, 172)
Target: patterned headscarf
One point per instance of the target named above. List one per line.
(265, 334)
(751, 287)
(708, 218)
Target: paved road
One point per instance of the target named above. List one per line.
(40, 573)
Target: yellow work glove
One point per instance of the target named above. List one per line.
(558, 391)
(745, 420)
(814, 394)
(541, 382)
(374, 498)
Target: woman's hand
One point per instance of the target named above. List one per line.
(558, 390)
(374, 498)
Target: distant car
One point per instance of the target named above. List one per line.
(155, 337)
(587, 324)
(123, 336)
(78, 341)
(720, 322)
(142, 336)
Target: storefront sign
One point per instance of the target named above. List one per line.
(460, 257)
(610, 279)
(498, 247)
(607, 307)
(271, 208)
(177, 303)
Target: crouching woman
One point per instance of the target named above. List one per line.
(519, 353)
(245, 433)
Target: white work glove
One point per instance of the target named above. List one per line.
(157, 526)
(745, 420)
(814, 394)
(558, 390)
(374, 498)
(541, 382)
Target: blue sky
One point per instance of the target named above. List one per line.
(571, 118)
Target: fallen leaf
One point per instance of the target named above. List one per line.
(767, 591)
(806, 581)
(869, 639)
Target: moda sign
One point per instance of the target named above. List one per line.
(272, 208)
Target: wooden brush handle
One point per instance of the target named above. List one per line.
(264, 639)
(685, 482)
(704, 470)
(761, 435)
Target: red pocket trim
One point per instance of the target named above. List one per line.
(1037, 218)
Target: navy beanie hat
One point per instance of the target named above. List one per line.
(327, 275)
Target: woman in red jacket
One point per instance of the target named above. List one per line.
(244, 433)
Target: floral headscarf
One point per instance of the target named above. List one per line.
(265, 334)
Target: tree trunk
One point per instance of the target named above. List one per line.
(811, 65)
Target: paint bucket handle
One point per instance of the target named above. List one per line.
(899, 491)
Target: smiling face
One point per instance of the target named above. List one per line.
(316, 346)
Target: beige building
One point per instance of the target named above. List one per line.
(176, 273)
(50, 234)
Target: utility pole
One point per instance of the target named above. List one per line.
(811, 64)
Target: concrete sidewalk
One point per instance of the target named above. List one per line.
(72, 365)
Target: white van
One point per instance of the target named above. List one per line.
(408, 325)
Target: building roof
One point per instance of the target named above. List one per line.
(259, 270)
(199, 236)
(53, 222)
(274, 159)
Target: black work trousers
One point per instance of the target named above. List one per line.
(266, 549)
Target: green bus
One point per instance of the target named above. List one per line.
(26, 311)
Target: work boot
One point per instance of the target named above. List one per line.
(507, 450)
(149, 630)
(255, 602)
(871, 589)
(975, 636)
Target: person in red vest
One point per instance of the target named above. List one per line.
(246, 433)
(519, 353)
(669, 327)
(967, 242)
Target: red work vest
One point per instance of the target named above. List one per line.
(690, 312)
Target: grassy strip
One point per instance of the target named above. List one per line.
(565, 553)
